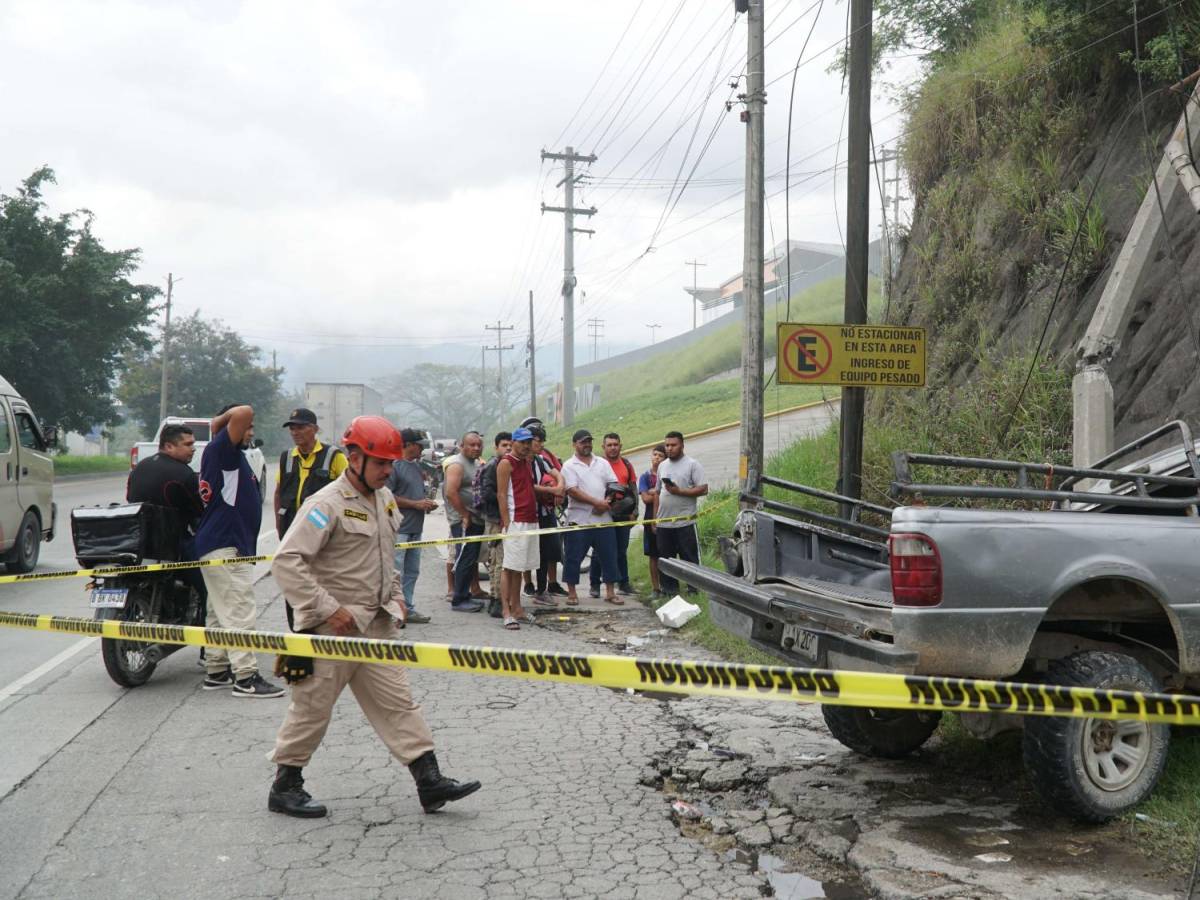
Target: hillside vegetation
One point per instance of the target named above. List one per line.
(670, 392)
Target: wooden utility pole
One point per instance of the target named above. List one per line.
(500, 348)
(595, 332)
(750, 462)
(858, 221)
(695, 302)
(569, 158)
(532, 363)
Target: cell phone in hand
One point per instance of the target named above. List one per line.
(668, 481)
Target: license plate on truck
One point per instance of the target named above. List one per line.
(109, 598)
(803, 643)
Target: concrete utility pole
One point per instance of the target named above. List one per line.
(1091, 390)
(595, 332)
(500, 329)
(532, 363)
(750, 462)
(653, 331)
(162, 390)
(891, 194)
(695, 302)
(858, 222)
(569, 158)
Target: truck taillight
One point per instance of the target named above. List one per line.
(133, 457)
(916, 570)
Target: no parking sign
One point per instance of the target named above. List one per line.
(851, 355)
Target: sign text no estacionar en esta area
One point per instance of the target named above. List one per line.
(851, 355)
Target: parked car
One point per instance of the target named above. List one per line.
(1090, 584)
(200, 428)
(28, 514)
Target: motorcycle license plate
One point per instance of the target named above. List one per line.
(109, 598)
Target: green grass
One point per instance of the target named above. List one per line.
(1173, 830)
(89, 465)
(642, 402)
(645, 418)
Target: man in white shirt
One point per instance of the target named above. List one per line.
(681, 484)
(587, 479)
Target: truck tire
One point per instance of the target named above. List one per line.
(27, 548)
(885, 733)
(1095, 769)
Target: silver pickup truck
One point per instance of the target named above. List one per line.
(1093, 580)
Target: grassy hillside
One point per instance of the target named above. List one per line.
(644, 401)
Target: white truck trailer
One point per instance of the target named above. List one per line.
(336, 404)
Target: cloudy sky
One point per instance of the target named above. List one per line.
(368, 174)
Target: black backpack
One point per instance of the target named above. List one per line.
(483, 490)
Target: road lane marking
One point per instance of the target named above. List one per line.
(45, 668)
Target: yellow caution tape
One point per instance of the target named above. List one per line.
(112, 571)
(714, 679)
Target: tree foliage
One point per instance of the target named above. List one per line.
(70, 310)
(450, 400)
(210, 366)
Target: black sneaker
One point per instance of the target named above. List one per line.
(626, 588)
(594, 593)
(256, 686)
(214, 681)
(416, 618)
(530, 590)
(556, 589)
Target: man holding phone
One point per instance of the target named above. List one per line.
(681, 483)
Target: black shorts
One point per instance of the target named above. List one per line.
(549, 545)
(649, 542)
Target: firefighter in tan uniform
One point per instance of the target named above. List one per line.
(334, 566)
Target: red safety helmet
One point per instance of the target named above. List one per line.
(375, 436)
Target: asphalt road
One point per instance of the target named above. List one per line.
(52, 686)
(718, 453)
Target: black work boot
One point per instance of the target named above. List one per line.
(434, 789)
(289, 797)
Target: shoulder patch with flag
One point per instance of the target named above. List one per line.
(318, 518)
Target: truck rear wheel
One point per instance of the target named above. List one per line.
(1096, 769)
(886, 733)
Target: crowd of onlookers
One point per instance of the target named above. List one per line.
(522, 489)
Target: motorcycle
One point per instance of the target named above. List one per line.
(432, 473)
(134, 534)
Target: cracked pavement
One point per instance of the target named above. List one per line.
(164, 794)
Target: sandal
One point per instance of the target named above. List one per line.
(511, 624)
(615, 601)
(572, 601)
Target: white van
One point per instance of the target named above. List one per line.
(27, 510)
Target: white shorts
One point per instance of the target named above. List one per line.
(521, 554)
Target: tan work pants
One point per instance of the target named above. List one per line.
(230, 605)
(381, 691)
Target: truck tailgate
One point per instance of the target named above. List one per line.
(810, 622)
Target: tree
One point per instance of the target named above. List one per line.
(211, 366)
(71, 311)
(449, 400)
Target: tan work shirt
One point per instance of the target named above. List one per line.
(340, 551)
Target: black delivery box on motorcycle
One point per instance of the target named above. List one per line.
(125, 535)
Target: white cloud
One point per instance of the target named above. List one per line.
(374, 166)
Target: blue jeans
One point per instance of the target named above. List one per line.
(621, 539)
(408, 564)
(603, 544)
(466, 559)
